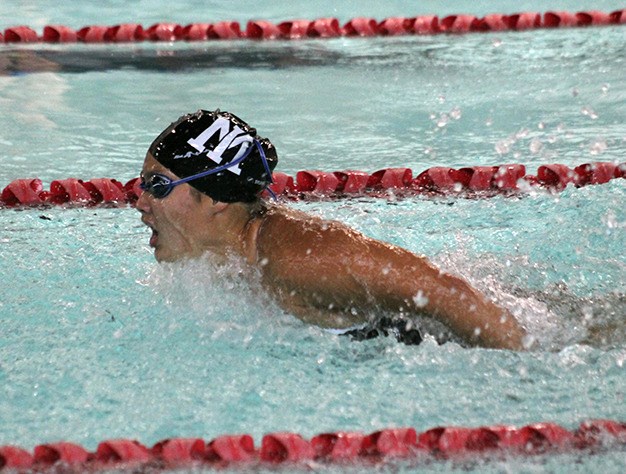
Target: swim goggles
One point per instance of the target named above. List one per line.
(160, 186)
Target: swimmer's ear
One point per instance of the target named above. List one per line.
(215, 207)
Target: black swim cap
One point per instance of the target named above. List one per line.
(205, 140)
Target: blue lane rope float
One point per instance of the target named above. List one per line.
(318, 28)
(468, 182)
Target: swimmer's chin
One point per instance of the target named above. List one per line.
(160, 258)
(163, 256)
(166, 255)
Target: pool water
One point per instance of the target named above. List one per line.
(100, 342)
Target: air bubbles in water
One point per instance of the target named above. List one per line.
(504, 146)
(528, 341)
(420, 299)
(605, 88)
(535, 146)
(525, 187)
(588, 111)
(522, 133)
(443, 120)
(611, 222)
(598, 147)
(455, 113)
(522, 371)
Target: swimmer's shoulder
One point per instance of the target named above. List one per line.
(288, 239)
(292, 229)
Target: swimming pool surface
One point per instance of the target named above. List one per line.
(100, 342)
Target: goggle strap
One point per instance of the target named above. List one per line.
(171, 184)
(272, 193)
(213, 170)
(264, 160)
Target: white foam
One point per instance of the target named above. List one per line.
(547, 329)
(221, 298)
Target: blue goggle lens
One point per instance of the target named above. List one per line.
(157, 185)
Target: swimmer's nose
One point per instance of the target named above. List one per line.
(143, 203)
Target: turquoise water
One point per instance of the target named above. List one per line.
(100, 342)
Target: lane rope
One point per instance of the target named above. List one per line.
(319, 28)
(468, 182)
(453, 442)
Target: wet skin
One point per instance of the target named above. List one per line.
(323, 272)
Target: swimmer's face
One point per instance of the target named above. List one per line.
(176, 220)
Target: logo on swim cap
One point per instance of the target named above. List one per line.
(230, 136)
(199, 142)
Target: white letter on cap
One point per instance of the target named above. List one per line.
(228, 139)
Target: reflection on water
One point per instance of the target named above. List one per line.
(36, 110)
(160, 59)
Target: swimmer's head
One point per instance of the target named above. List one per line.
(234, 163)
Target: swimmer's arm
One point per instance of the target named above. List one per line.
(334, 267)
(404, 280)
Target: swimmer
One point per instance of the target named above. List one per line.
(203, 177)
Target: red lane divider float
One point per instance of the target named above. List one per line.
(320, 28)
(477, 181)
(285, 447)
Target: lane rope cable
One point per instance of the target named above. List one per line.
(319, 28)
(441, 443)
(468, 182)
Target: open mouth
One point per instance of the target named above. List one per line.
(154, 238)
(155, 233)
